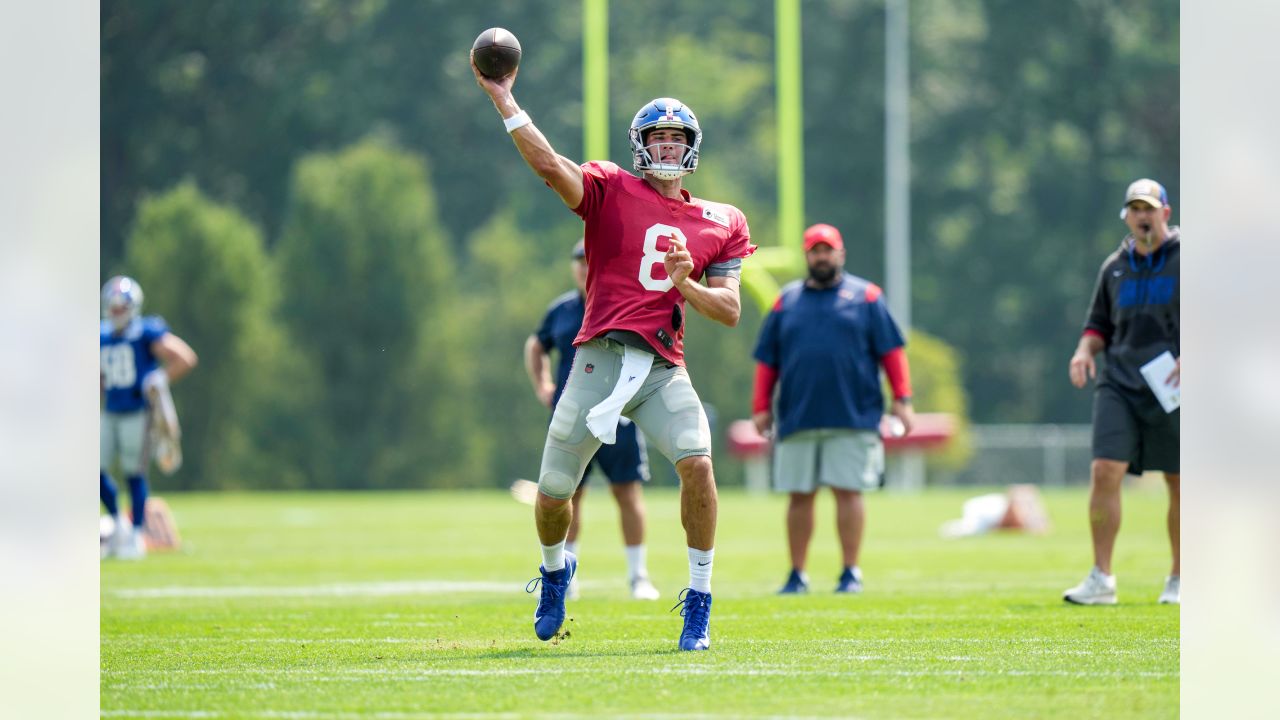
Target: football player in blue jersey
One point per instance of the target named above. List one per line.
(625, 463)
(139, 358)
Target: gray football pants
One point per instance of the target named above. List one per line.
(666, 409)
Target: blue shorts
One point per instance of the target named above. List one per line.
(625, 461)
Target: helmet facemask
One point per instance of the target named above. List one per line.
(668, 171)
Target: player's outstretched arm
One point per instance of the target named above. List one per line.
(562, 174)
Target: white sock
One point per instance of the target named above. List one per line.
(700, 569)
(571, 547)
(553, 556)
(635, 561)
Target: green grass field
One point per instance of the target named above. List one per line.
(411, 605)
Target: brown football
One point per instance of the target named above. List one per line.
(496, 52)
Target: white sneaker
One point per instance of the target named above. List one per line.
(642, 588)
(572, 593)
(1097, 589)
(133, 545)
(120, 538)
(107, 527)
(1172, 594)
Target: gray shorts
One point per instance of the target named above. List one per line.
(124, 435)
(841, 458)
(1135, 430)
(666, 409)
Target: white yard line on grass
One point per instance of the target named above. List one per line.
(356, 675)
(372, 589)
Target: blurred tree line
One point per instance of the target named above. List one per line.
(318, 198)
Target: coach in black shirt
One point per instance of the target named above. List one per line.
(1134, 317)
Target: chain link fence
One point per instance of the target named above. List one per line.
(1048, 455)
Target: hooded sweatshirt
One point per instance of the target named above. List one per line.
(1135, 310)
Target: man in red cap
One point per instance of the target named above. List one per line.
(822, 345)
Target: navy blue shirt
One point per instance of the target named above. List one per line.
(826, 345)
(558, 329)
(126, 358)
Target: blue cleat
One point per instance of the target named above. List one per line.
(696, 612)
(850, 581)
(796, 583)
(549, 616)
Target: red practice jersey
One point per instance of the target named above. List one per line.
(629, 225)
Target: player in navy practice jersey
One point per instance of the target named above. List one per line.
(139, 358)
(649, 243)
(824, 343)
(625, 463)
(1134, 317)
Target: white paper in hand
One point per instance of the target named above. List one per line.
(1155, 373)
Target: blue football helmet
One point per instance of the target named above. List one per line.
(665, 113)
(121, 301)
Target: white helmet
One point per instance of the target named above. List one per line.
(121, 301)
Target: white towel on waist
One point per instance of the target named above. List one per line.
(602, 420)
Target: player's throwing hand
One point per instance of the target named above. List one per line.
(492, 86)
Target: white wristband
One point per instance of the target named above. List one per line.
(517, 121)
